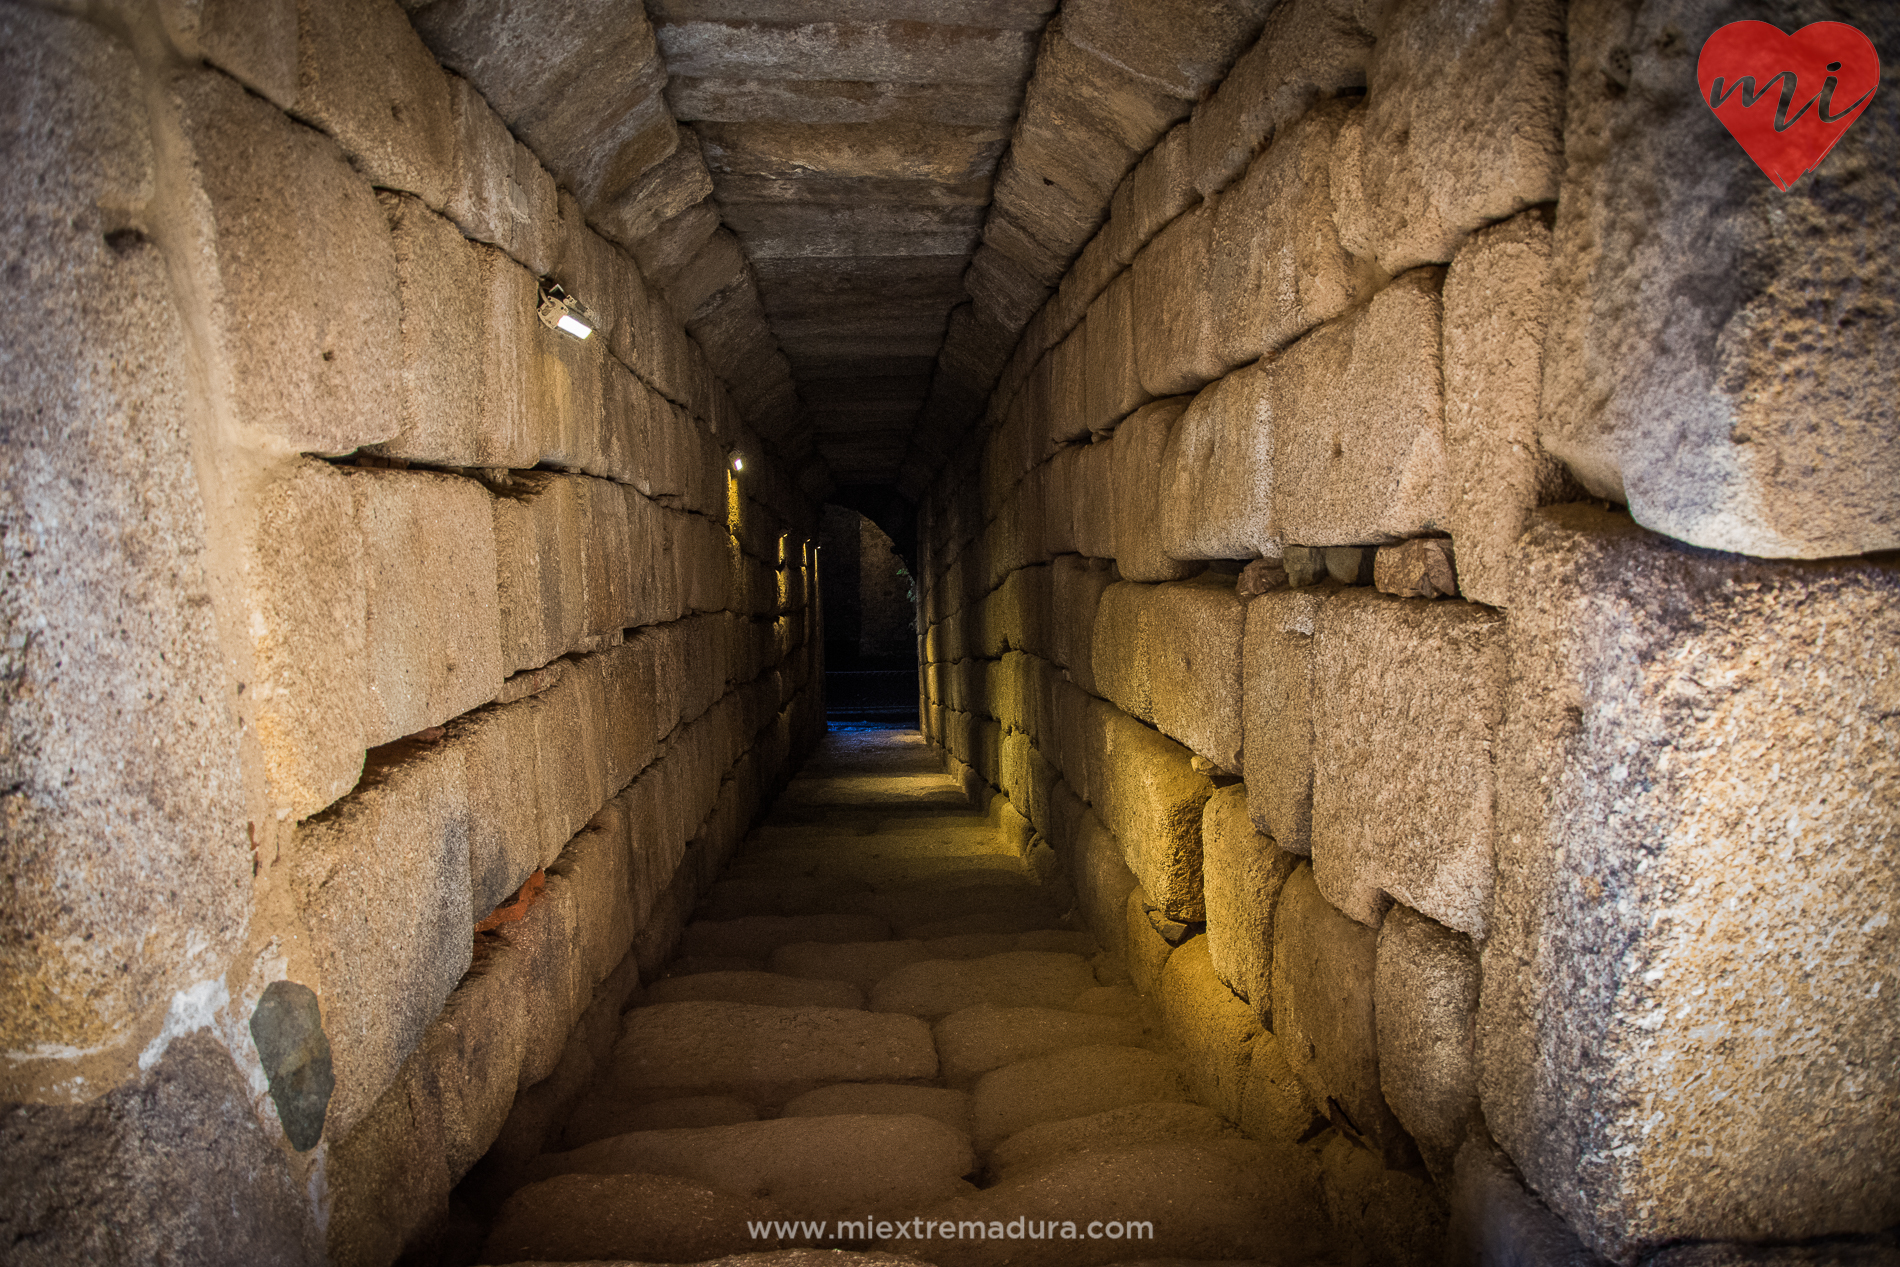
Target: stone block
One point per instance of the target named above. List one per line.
(1384, 1214)
(1181, 51)
(1154, 193)
(382, 883)
(1191, 634)
(1102, 883)
(365, 77)
(651, 1218)
(124, 797)
(256, 44)
(1152, 804)
(1426, 1001)
(1464, 108)
(977, 1039)
(1216, 475)
(934, 988)
(1177, 343)
(1242, 872)
(1358, 435)
(1276, 677)
(1718, 402)
(824, 1166)
(483, 198)
(1277, 266)
(1165, 1122)
(1424, 567)
(1696, 767)
(1407, 703)
(306, 621)
(1070, 1083)
(432, 631)
(1215, 1029)
(1095, 505)
(1115, 659)
(1139, 461)
(1497, 306)
(505, 843)
(298, 271)
(1308, 51)
(1113, 385)
(1494, 1220)
(156, 1169)
(538, 526)
(1146, 948)
(1077, 584)
(759, 1053)
(504, 432)
(439, 286)
(1324, 973)
(1275, 1106)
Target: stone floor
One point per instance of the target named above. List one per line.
(879, 1018)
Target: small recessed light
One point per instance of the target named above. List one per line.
(561, 311)
(738, 463)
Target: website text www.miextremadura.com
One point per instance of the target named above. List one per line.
(947, 1230)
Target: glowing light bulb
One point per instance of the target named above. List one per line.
(579, 329)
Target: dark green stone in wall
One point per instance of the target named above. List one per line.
(288, 1031)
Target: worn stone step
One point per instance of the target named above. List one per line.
(636, 1218)
(933, 903)
(768, 989)
(880, 871)
(816, 1167)
(764, 1055)
(977, 1039)
(599, 1116)
(781, 895)
(1021, 978)
(757, 936)
(863, 964)
(1013, 923)
(1132, 1126)
(1200, 1205)
(952, 1108)
(1073, 1082)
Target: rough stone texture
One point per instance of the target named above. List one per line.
(1182, 51)
(632, 1218)
(1102, 882)
(1275, 1106)
(1407, 700)
(306, 622)
(254, 42)
(1721, 356)
(862, 964)
(753, 1052)
(1495, 1221)
(1463, 109)
(1141, 443)
(294, 257)
(1151, 802)
(1073, 1082)
(1077, 584)
(1191, 635)
(124, 837)
(1161, 1122)
(757, 936)
(1216, 1030)
(1384, 1215)
(1276, 676)
(1019, 978)
(1424, 567)
(439, 286)
(1242, 871)
(1497, 305)
(1426, 1001)
(950, 1107)
(1115, 658)
(152, 1172)
(1704, 741)
(1146, 948)
(382, 881)
(432, 629)
(1358, 436)
(1112, 388)
(762, 988)
(1238, 1208)
(975, 1040)
(364, 77)
(1323, 999)
(1176, 344)
(1277, 266)
(817, 1167)
(1216, 479)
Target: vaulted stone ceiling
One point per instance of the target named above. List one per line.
(856, 206)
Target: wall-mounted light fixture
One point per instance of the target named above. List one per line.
(561, 311)
(738, 462)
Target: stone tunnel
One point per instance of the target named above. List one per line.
(1391, 514)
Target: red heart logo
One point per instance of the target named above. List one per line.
(1787, 98)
